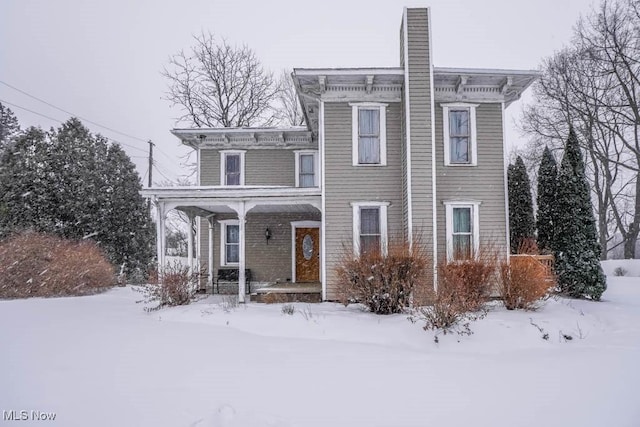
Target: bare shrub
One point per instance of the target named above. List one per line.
(44, 265)
(620, 271)
(383, 283)
(289, 309)
(529, 246)
(523, 282)
(471, 280)
(464, 286)
(176, 286)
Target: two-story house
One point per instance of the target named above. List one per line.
(414, 150)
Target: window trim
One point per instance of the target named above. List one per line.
(383, 206)
(223, 242)
(223, 166)
(473, 143)
(299, 153)
(355, 140)
(475, 224)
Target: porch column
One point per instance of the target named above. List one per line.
(210, 261)
(160, 235)
(242, 279)
(190, 244)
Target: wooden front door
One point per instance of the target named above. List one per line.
(307, 254)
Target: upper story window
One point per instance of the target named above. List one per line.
(462, 227)
(369, 227)
(459, 129)
(306, 169)
(232, 167)
(369, 129)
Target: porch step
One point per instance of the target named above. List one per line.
(288, 292)
(284, 297)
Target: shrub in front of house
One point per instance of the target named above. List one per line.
(464, 286)
(524, 281)
(43, 265)
(472, 278)
(384, 283)
(175, 286)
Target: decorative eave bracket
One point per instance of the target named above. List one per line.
(460, 84)
(369, 84)
(508, 82)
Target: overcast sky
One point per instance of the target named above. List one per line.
(101, 59)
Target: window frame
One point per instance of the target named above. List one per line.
(223, 166)
(474, 206)
(223, 241)
(383, 212)
(298, 165)
(473, 143)
(355, 132)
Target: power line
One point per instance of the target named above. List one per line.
(31, 111)
(70, 113)
(85, 119)
(160, 171)
(59, 121)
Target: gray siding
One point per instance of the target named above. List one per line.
(209, 167)
(262, 167)
(484, 182)
(420, 118)
(268, 262)
(270, 167)
(345, 183)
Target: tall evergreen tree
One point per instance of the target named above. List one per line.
(576, 244)
(72, 183)
(128, 238)
(521, 222)
(26, 181)
(9, 126)
(547, 202)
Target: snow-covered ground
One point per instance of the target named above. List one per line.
(102, 361)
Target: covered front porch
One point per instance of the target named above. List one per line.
(252, 240)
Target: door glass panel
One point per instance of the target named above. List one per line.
(307, 247)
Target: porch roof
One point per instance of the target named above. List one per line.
(216, 199)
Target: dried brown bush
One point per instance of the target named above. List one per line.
(464, 286)
(528, 245)
(471, 280)
(176, 286)
(383, 283)
(524, 281)
(44, 265)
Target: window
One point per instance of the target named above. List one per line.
(230, 238)
(462, 230)
(459, 121)
(369, 227)
(369, 230)
(369, 134)
(232, 167)
(306, 169)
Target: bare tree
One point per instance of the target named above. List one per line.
(290, 111)
(219, 85)
(593, 85)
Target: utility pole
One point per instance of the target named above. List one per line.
(151, 144)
